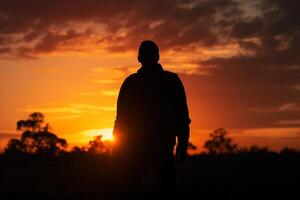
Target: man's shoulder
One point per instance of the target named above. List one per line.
(167, 73)
(171, 76)
(131, 77)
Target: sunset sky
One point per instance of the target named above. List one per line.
(238, 59)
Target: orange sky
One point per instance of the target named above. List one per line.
(239, 65)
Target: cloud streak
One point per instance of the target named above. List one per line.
(76, 109)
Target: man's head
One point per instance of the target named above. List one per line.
(148, 53)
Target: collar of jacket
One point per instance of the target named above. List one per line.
(152, 69)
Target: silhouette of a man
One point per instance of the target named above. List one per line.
(151, 112)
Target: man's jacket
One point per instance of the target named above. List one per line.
(152, 111)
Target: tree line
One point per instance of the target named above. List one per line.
(36, 138)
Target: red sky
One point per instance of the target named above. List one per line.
(238, 60)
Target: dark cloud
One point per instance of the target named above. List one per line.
(271, 69)
(53, 41)
(244, 29)
(172, 23)
(274, 58)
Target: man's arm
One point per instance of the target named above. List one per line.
(119, 128)
(184, 120)
(119, 122)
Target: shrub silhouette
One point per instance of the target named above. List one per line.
(289, 152)
(77, 149)
(96, 145)
(36, 138)
(220, 143)
(255, 149)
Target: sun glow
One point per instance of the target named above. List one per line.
(106, 133)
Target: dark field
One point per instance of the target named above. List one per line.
(86, 176)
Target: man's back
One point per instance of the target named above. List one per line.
(152, 110)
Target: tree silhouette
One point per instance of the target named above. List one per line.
(220, 143)
(255, 149)
(289, 152)
(96, 145)
(77, 150)
(33, 123)
(14, 145)
(36, 138)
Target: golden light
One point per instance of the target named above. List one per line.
(106, 133)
